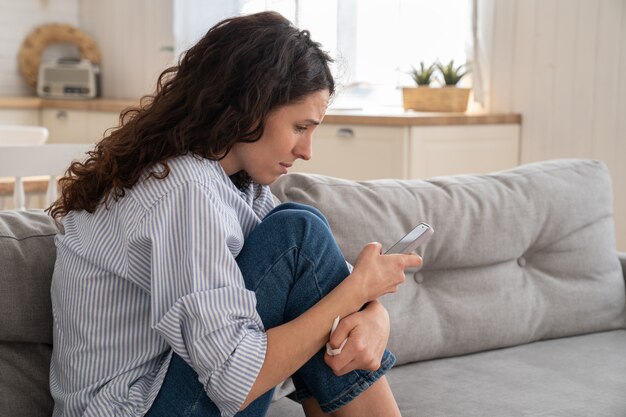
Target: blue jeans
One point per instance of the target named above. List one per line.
(291, 261)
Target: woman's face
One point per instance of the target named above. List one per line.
(287, 137)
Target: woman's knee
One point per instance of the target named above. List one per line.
(289, 206)
(296, 218)
(292, 226)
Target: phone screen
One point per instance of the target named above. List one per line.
(420, 234)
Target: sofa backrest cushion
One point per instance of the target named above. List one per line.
(517, 256)
(27, 255)
(24, 386)
(26, 264)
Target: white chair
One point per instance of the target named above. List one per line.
(22, 135)
(18, 135)
(50, 160)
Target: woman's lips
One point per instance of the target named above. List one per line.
(285, 167)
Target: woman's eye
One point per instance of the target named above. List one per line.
(301, 129)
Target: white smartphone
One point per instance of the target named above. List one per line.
(419, 235)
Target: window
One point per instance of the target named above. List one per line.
(374, 42)
(377, 41)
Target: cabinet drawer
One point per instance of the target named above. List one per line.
(19, 117)
(449, 150)
(358, 152)
(77, 126)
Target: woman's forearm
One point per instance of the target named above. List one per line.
(291, 345)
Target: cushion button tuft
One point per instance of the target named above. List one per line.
(521, 261)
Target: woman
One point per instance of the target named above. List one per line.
(178, 288)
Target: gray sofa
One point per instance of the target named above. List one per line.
(519, 309)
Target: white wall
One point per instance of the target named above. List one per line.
(193, 18)
(136, 41)
(562, 65)
(17, 20)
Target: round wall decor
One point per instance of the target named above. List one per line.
(38, 40)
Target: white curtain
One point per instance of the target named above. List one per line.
(477, 54)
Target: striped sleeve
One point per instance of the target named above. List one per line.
(199, 303)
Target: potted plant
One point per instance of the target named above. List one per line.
(448, 98)
(452, 74)
(424, 75)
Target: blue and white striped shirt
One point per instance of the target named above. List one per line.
(156, 271)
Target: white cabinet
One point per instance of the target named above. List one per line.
(77, 126)
(447, 150)
(358, 152)
(363, 152)
(19, 117)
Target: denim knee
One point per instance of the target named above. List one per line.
(291, 207)
(298, 221)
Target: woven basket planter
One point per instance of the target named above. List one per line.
(444, 99)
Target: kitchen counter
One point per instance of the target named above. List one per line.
(399, 117)
(381, 116)
(36, 103)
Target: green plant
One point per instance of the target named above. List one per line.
(423, 75)
(452, 74)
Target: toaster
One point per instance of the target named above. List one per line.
(68, 78)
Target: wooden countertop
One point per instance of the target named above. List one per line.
(35, 103)
(400, 117)
(384, 117)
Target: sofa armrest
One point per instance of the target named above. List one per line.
(622, 260)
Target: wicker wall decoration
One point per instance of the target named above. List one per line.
(38, 40)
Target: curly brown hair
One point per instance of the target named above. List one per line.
(219, 94)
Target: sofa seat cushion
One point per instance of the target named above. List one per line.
(517, 256)
(569, 377)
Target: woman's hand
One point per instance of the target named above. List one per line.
(375, 274)
(367, 332)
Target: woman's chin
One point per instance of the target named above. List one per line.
(266, 179)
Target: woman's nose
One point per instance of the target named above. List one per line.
(304, 148)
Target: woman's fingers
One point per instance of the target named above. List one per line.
(411, 260)
(362, 337)
(340, 334)
(381, 274)
(356, 354)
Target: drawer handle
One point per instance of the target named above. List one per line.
(345, 132)
(62, 115)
